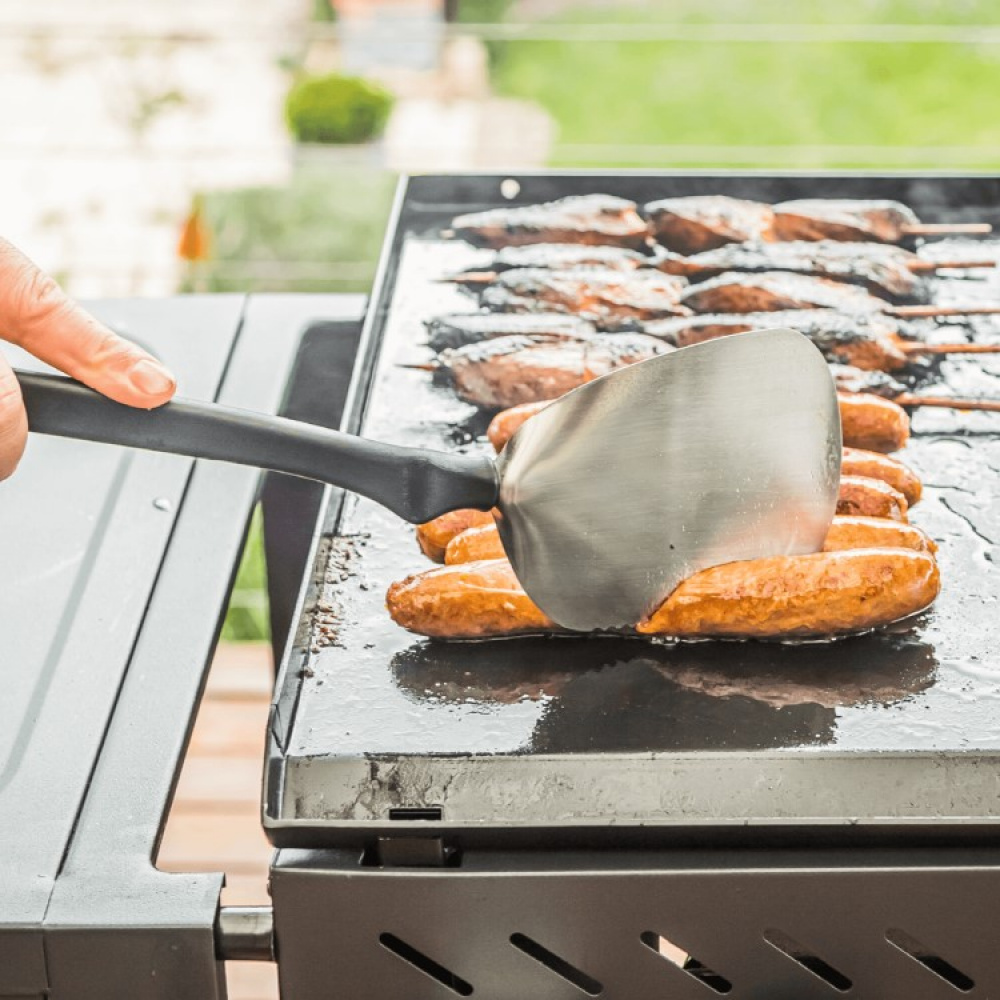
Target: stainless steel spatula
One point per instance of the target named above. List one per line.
(606, 499)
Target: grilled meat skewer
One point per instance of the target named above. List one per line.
(509, 370)
(594, 219)
(459, 329)
(887, 275)
(887, 271)
(868, 341)
(555, 257)
(612, 300)
(857, 219)
(770, 291)
(703, 222)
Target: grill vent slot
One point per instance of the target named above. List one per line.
(808, 960)
(558, 965)
(911, 947)
(425, 964)
(676, 955)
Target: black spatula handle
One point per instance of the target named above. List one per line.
(417, 485)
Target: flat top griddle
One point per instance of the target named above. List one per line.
(564, 733)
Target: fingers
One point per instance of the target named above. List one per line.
(13, 422)
(37, 315)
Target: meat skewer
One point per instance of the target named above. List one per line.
(510, 370)
(769, 291)
(555, 257)
(870, 341)
(611, 300)
(855, 219)
(887, 271)
(890, 272)
(816, 595)
(459, 329)
(692, 224)
(594, 219)
(703, 222)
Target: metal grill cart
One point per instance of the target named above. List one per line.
(567, 817)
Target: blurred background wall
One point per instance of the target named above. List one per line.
(216, 145)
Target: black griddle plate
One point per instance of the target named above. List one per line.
(548, 740)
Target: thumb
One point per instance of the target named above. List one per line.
(37, 315)
(13, 422)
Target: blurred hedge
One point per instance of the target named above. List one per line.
(343, 110)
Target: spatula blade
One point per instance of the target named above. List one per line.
(722, 451)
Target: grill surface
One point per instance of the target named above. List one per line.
(541, 739)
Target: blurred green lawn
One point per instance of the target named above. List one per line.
(788, 94)
(616, 103)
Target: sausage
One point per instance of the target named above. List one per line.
(877, 466)
(846, 532)
(863, 497)
(473, 544)
(872, 423)
(434, 536)
(471, 601)
(820, 594)
(506, 422)
(868, 422)
(465, 535)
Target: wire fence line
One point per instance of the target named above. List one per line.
(749, 33)
(342, 154)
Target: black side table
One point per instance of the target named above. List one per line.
(115, 570)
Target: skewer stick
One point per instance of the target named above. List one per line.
(942, 228)
(919, 312)
(470, 278)
(911, 347)
(951, 403)
(925, 266)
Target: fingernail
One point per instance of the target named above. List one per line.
(151, 378)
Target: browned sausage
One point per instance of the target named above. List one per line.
(870, 498)
(506, 422)
(853, 532)
(434, 536)
(469, 601)
(890, 470)
(872, 423)
(872, 533)
(473, 544)
(868, 422)
(821, 594)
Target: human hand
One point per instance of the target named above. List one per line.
(37, 315)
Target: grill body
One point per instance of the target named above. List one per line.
(564, 818)
(641, 926)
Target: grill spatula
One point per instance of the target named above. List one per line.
(605, 500)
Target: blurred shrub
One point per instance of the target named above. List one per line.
(337, 109)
